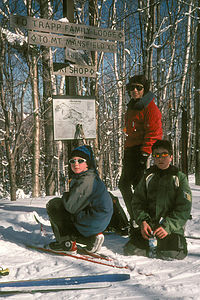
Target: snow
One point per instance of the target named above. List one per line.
(13, 37)
(150, 278)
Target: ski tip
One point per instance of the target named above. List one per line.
(123, 276)
(40, 220)
(113, 277)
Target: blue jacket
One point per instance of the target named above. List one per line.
(89, 203)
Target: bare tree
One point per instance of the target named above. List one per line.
(183, 95)
(7, 116)
(197, 102)
(33, 69)
(36, 124)
(119, 71)
(13, 118)
(46, 12)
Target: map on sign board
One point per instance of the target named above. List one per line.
(69, 112)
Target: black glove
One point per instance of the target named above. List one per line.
(65, 196)
(143, 158)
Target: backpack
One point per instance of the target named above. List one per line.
(150, 176)
(119, 221)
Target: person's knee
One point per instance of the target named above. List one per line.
(172, 254)
(131, 249)
(174, 246)
(52, 204)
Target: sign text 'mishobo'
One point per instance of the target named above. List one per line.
(66, 28)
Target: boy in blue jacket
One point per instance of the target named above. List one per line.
(83, 213)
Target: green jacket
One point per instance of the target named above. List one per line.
(163, 194)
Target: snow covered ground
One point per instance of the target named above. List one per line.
(150, 278)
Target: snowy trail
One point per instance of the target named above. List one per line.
(150, 279)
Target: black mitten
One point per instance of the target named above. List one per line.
(143, 158)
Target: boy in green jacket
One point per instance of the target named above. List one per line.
(161, 207)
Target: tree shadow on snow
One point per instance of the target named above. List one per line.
(115, 242)
(23, 228)
(22, 237)
(21, 208)
(194, 254)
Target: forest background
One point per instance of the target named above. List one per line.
(162, 40)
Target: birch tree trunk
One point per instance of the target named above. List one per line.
(36, 130)
(120, 80)
(9, 151)
(150, 37)
(166, 88)
(50, 185)
(183, 101)
(158, 58)
(33, 70)
(93, 16)
(197, 103)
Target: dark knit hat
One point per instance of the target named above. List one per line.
(165, 144)
(86, 152)
(138, 79)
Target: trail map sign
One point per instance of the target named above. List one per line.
(68, 112)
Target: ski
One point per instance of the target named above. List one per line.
(82, 255)
(42, 289)
(40, 220)
(62, 283)
(81, 250)
(192, 237)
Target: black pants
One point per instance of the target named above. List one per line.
(61, 221)
(172, 246)
(132, 172)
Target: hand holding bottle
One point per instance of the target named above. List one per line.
(160, 232)
(146, 230)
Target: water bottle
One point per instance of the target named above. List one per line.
(152, 246)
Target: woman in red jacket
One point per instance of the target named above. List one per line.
(143, 127)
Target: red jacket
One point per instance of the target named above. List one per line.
(143, 127)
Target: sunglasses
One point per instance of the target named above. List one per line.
(158, 155)
(80, 160)
(137, 87)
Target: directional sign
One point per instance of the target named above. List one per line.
(75, 56)
(66, 28)
(74, 70)
(70, 42)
